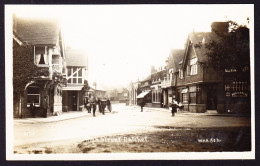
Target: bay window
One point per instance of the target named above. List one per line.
(41, 57)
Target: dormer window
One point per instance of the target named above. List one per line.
(41, 57)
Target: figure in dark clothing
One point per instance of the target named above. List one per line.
(142, 104)
(32, 108)
(174, 105)
(94, 106)
(87, 104)
(109, 105)
(99, 105)
(45, 107)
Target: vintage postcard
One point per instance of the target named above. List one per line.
(129, 82)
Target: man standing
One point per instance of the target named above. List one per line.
(173, 105)
(45, 106)
(94, 105)
(142, 104)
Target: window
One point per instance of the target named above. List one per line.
(180, 74)
(193, 66)
(193, 97)
(40, 55)
(185, 97)
(33, 95)
(156, 96)
(75, 75)
(56, 62)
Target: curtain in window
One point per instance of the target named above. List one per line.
(37, 58)
(46, 58)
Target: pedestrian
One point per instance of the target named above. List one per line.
(142, 104)
(32, 108)
(99, 105)
(45, 106)
(173, 105)
(109, 105)
(94, 106)
(87, 104)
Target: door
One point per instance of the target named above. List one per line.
(73, 98)
(212, 94)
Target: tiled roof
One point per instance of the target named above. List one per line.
(196, 38)
(175, 57)
(37, 31)
(76, 58)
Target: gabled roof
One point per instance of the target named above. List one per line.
(175, 57)
(76, 58)
(37, 31)
(201, 37)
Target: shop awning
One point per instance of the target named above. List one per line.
(141, 95)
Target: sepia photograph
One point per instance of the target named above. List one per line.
(113, 82)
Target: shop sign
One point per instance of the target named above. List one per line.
(239, 94)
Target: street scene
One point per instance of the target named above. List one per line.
(129, 79)
(127, 129)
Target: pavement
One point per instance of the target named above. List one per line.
(77, 114)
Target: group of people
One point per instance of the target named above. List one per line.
(91, 104)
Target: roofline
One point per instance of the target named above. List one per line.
(17, 40)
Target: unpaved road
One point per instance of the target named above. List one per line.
(75, 135)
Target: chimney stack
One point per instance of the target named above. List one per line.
(219, 27)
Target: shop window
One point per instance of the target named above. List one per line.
(193, 97)
(41, 58)
(185, 97)
(33, 95)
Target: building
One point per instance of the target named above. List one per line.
(134, 90)
(76, 74)
(38, 65)
(169, 85)
(157, 76)
(145, 92)
(202, 88)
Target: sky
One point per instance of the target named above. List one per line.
(124, 41)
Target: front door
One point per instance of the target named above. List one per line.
(212, 94)
(73, 100)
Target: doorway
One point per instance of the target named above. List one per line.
(73, 100)
(212, 94)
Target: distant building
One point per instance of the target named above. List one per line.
(145, 91)
(134, 90)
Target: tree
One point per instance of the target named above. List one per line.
(229, 50)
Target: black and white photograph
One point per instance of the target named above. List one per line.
(113, 82)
